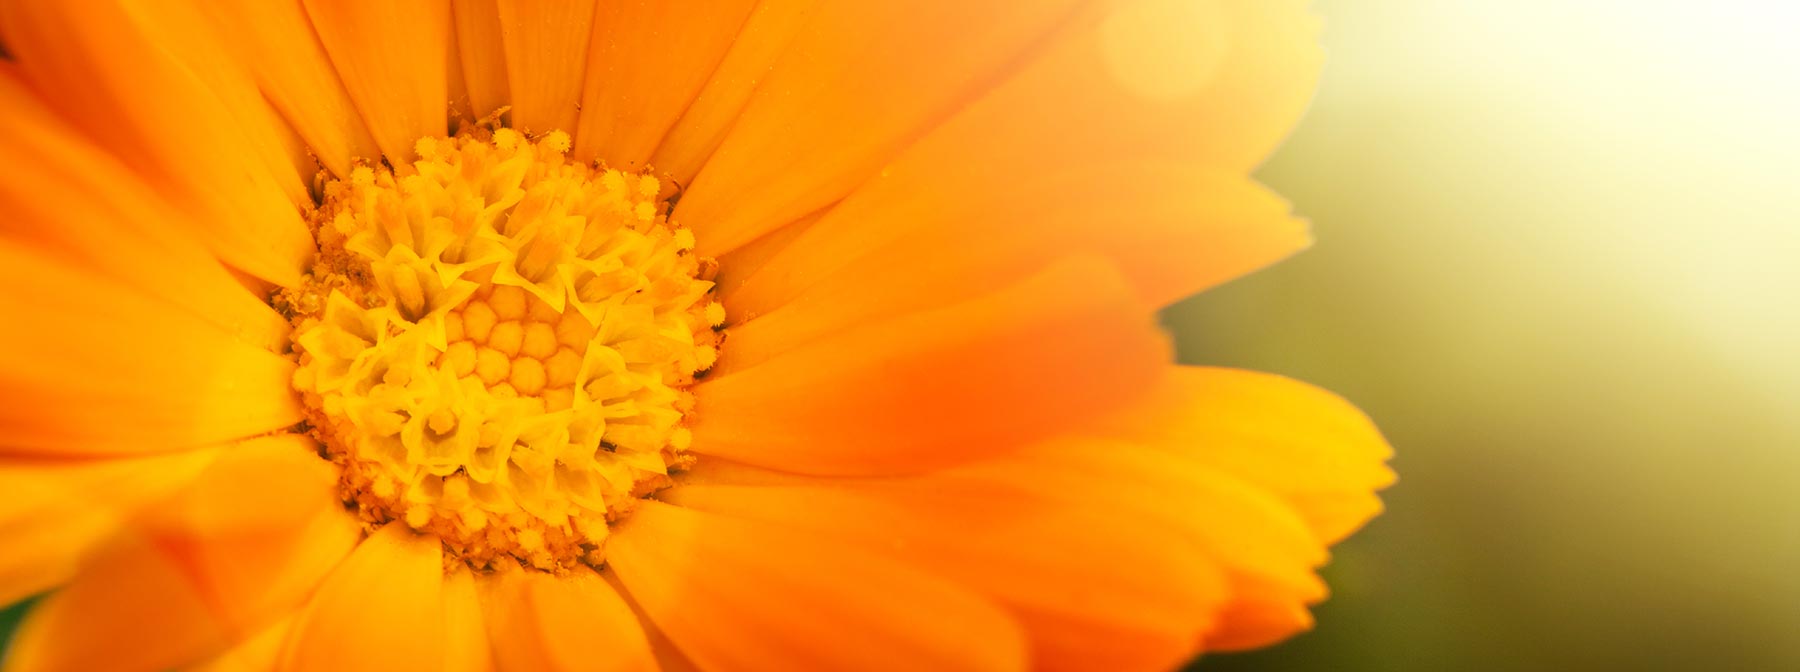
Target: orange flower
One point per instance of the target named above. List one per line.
(780, 334)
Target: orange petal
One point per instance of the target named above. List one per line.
(647, 62)
(1259, 540)
(465, 628)
(764, 37)
(277, 41)
(259, 653)
(1306, 445)
(859, 82)
(570, 622)
(55, 511)
(481, 53)
(1107, 573)
(381, 609)
(736, 594)
(218, 563)
(1171, 230)
(70, 198)
(546, 45)
(91, 367)
(144, 85)
(394, 60)
(940, 386)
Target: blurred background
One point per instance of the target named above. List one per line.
(1558, 261)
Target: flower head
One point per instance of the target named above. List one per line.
(512, 335)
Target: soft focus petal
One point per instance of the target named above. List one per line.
(1304, 444)
(573, 621)
(235, 550)
(381, 609)
(68, 197)
(735, 594)
(941, 386)
(194, 127)
(1061, 567)
(546, 47)
(91, 367)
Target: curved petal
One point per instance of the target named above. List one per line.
(569, 622)
(56, 511)
(940, 386)
(1310, 447)
(1062, 568)
(860, 81)
(394, 61)
(68, 197)
(256, 654)
(546, 43)
(151, 87)
(647, 62)
(214, 565)
(277, 41)
(735, 594)
(1170, 230)
(381, 609)
(91, 367)
(467, 648)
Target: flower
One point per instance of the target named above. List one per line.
(775, 334)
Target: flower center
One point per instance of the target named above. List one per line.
(495, 341)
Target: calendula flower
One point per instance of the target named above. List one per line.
(521, 335)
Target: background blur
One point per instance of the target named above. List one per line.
(1558, 259)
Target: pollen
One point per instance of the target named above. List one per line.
(495, 342)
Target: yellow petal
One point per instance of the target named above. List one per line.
(381, 609)
(546, 53)
(91, 367)
(230, 554)
(859, 82)
(647, 62)
(200, 135)
(736, 594)
(940, 386)
(394, 60)
(569, 622)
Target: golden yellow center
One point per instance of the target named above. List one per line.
(496, 341)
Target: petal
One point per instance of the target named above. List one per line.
(1310, 447)
(216, 564)
(256, 654)
(570, 622)
(940, 386)
(394, 60)
(200, 135)
(481, 54)
(277, 41)
(546, 45)
(735, 594)
(465, 628)
(1171, 230)
(55, 511)
(647, 62)
(859, 81)
(1265, 548)
(70, 198)
(1174, 229)
(91, 367)
(381, 609)
(764, 37)
(1107, 573)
